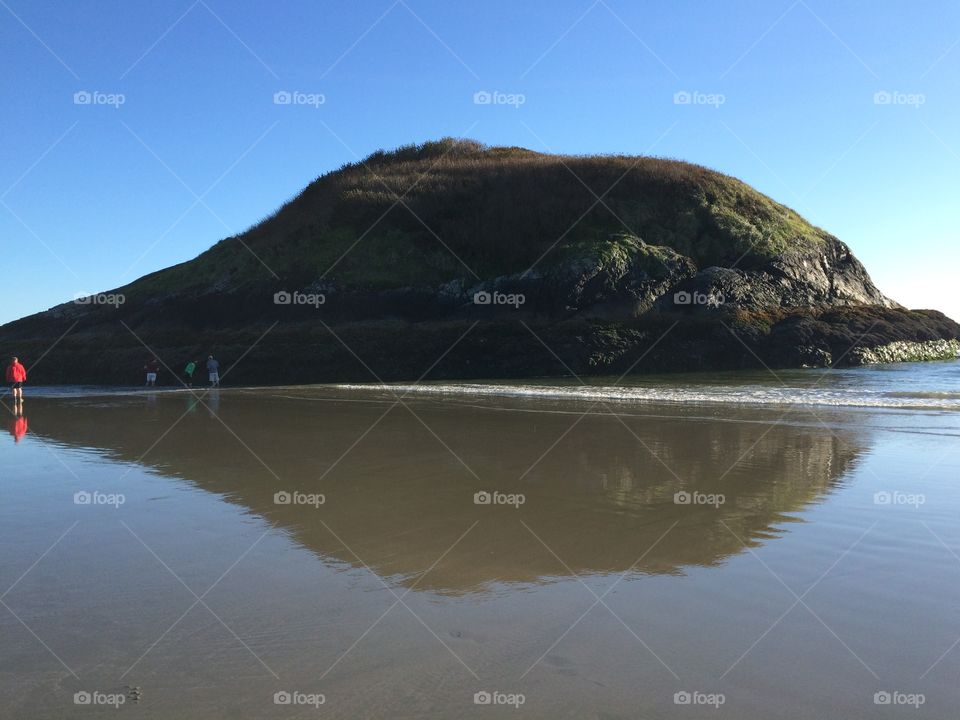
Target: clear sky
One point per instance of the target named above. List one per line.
(181, 142)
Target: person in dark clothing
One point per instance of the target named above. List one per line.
(213, 371)
(152, 368)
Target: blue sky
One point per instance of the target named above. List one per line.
(93, 195)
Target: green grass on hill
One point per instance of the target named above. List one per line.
(425, 214)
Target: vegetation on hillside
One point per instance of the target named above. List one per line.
(429, 213)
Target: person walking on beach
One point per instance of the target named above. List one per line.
(188, 372)
(152, 368)
(16, 377)
(213, 370)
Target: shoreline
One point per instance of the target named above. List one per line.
(743, 388)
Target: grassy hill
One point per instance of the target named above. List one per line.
(424, 214)
(601, 249)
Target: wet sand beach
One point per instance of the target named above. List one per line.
(355, 552)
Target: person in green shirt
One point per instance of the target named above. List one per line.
(188, 371)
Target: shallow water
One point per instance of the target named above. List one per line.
(933, 385)
(787, 555)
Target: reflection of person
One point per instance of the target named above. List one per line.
(18, 423)
(16, 377)
(213, 370)
(188, 372)
(152, 368)
(213, 407)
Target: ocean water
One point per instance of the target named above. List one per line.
(736, 545)
(910, 385)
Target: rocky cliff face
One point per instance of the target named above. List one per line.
(639, 277)
(822, 277)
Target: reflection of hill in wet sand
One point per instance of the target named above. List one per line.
(399, 499)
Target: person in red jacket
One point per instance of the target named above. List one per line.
(16, 377)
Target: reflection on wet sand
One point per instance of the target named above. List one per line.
(598, 498)
(17, 423)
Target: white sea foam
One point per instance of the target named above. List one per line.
(679, 394)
